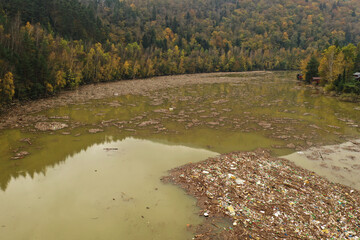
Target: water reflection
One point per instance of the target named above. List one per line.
(102, 194)
(46, 150)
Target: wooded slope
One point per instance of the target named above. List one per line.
(49, 45)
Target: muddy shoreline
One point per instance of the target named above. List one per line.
(19, 113)
(264, 197)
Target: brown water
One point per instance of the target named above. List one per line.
(69, 187)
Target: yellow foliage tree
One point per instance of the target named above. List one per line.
(136, 69)
(7, 88)
(49, 88)
(60, 79)
(168, 33)
(181, 68)
(331, 64)
(223, 62)
(150, 71)
(127, 69)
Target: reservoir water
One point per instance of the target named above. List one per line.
(99, 178)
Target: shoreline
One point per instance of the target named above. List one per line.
(265, 197)
(343, 97)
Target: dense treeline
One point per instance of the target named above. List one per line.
(49, 45)
(68, 18)
(336, 67)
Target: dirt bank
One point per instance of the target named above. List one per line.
(268, 198)
(20, 112)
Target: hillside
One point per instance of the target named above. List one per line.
(49, 45)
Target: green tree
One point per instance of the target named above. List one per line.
(312, 69)
(357, 59)
(349, 52)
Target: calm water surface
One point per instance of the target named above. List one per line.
(102, 194)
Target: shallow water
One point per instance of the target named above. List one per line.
(55, 192)
(338, 163)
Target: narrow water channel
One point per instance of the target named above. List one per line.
(99, 177)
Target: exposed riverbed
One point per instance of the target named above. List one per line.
(89, 162)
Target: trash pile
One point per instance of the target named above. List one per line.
(269, 198)
(50, 126)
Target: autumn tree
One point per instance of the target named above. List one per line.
(331, 65)
(7, 88)
(337, 66)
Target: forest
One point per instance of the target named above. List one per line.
(50, 45)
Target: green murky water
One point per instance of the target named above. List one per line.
(71, 187)
(102, 194)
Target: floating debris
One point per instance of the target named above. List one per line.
(20, 155)
(50, 126)
(147, 123)
(59, 117)
(95, 130)
(111, 149)
(27, 140)
(269, 198)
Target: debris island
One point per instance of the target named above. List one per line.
(264, 197)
